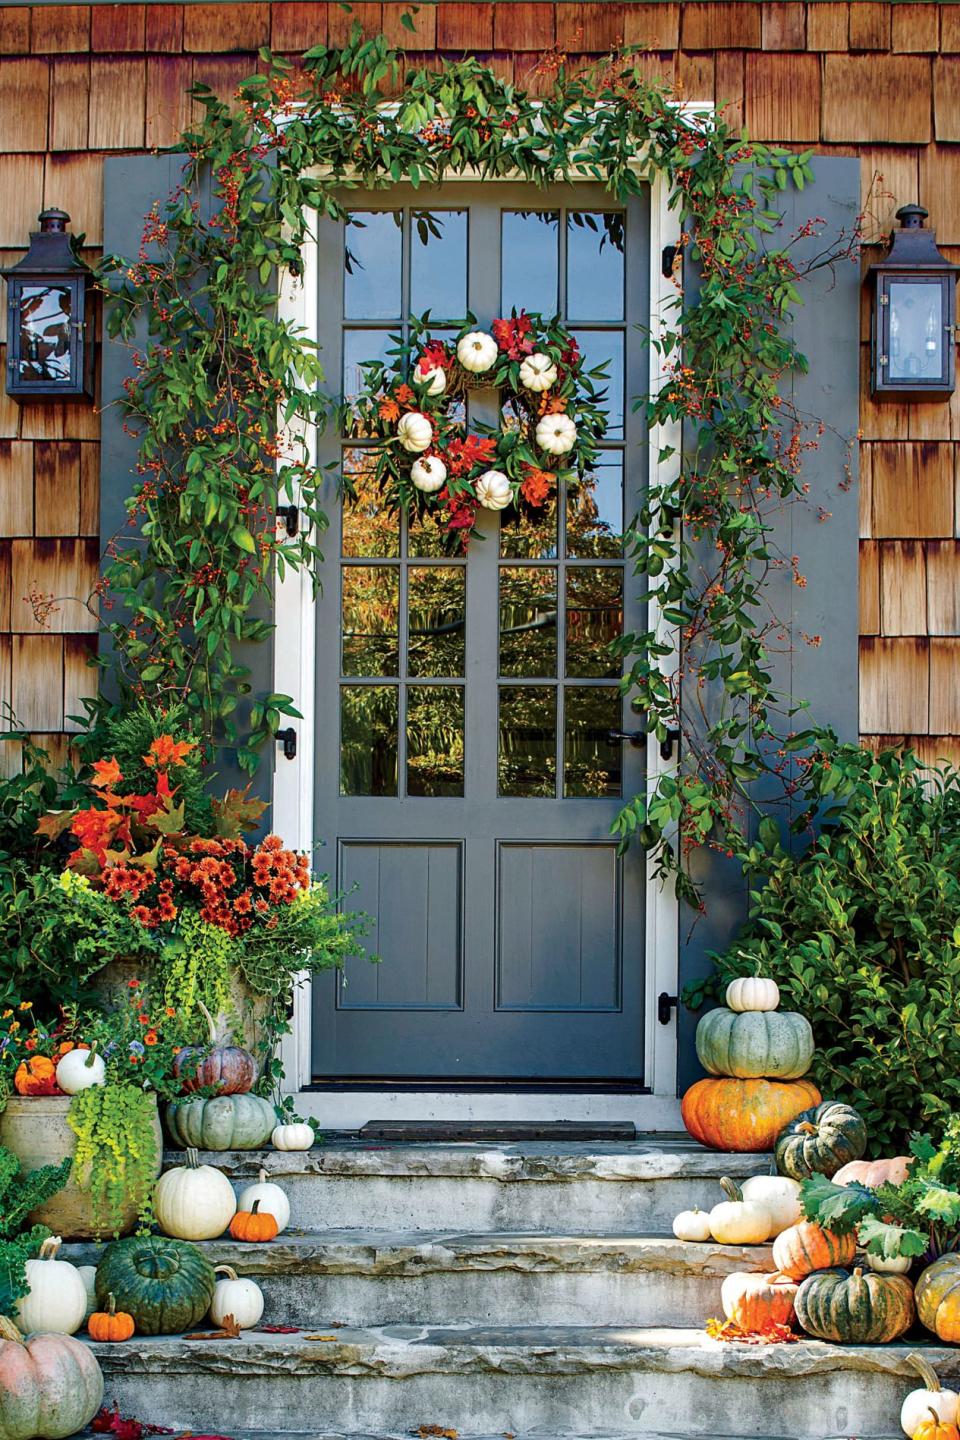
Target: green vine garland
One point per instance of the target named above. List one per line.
(217, 364)
(116, 1155)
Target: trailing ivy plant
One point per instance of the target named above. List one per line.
(213, 365)
(116, 1153)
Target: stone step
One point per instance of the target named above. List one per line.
(544, 1381)
(369, 1278)
(534, 1186)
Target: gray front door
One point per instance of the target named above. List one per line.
(466, 781)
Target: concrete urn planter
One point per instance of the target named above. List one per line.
(36, 1129)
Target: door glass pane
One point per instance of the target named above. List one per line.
(358, 347)
(601, 347)
(371, 609)
(372, 258)
(529, 265)
(435, 740)
(427, 538)
(591, 763)
(595, 265)
(594, 619)
(369, 528)
(595, 510)
(436, 607)
(368, 739)
(529, 535)
(528, 620)
(527, 762)
(438, 263)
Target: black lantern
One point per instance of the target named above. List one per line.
(49, 317)
(914, 311)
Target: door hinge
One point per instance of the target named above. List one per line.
(671, 738)
(290, 515)
(665, 1005)
(288, 739)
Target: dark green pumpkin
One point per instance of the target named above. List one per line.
(225, 1122)
(820, 1141)
(862, 1308)
(166, 1285)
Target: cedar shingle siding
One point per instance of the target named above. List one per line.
(878, 80)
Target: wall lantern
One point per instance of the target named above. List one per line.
(913, 350)
(49, 317)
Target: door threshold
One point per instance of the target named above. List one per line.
(347, 1107)
(509, 1132)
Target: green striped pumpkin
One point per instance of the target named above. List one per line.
(862, 1308)
(166, 1285)
(754, 1044)
(820, 1141)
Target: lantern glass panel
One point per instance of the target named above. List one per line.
(45, 332)
(915, 336)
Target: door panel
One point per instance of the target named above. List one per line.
(466, 781)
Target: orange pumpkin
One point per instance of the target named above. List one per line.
(253, 1225)
(729, 1114)
(873, 1173)
(36, 1076)
(758, 1302)
(938, 1298)
(806, 1247)
(936, 1429)
(111, 1325)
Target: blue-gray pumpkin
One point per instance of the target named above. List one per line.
(225, 1122)
(754, 1044)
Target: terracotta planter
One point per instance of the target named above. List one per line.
(36, 1130)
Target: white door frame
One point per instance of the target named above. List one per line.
(294, 674)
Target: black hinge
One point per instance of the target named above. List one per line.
(290, 515)
(666, 1004)
(288, 739)
(668, 259)
(671, 738)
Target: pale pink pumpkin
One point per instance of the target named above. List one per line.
(50, 1385)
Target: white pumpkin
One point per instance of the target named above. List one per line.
(79, 1070)
(414, 431)
(241, 1298)
(736, 1221)
(57, 1299)
(752, 992)
(430, 378)
(297, 1136)
(194, 1201)
(477, 352)
(272, 1200)
(428, 474)
(556, 434)
(692, 1225)
(888, 1265)
(538, 372)
(916, 1408)
(780, 1195)
(494, 490)
(88, 1274)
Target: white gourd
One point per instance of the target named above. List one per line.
(692, 1225)
(57, 1299)
(477, 352)
(241, 1298)
(888, 1264)
(918, 1404)
(494, 490)
(88, 1274)
(736, 1221)
(431, 378)
(752, 992)
(194, 1201)
(297, 1136)
(428, 473)
(538, 373)
(80, 1070)
(414, 431)
(778, 1194)
(272, 1200)
(556, 434)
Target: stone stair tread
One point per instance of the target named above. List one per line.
(415, 1434)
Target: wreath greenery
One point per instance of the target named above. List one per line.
(551, 418)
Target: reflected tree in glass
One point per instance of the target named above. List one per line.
(527, 752)
(435, 726)
(369, 718)
(528, 620)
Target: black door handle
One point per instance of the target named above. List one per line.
(288, 739)
(635, 737)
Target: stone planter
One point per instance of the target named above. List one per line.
(35, 1128)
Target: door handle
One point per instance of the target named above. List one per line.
(635, 737)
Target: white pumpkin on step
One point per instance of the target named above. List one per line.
(494, 490)
(778, 1194)
(692, 1225)
(736, 1221)
(272, 1200)
(56, 1301)
(88, 1274)
(752, 992)
(236, 1296)
(415, 431)
(428, 474)
(296, 1136)
(80, 1070)
(915, 1411)
(194, 1201)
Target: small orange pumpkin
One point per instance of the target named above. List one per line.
(731, 1114)
(253, 1225)
(36, 1076)
(112, 1326)
(874, 1173)
(757, 1303)
(936, 1429)
(806, 1247)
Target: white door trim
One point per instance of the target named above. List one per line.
(294, 674)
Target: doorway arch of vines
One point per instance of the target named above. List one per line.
(213, 366)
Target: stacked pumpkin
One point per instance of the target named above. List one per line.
(756, 1057)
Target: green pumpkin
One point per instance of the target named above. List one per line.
(226, 1122)
(166, 1285)
(772, 1044)
(820, 1141)
(859, 1309)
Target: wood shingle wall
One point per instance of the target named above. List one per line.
(875, 79)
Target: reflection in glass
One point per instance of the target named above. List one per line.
(527, 758)
(369, 528)
(601, 347)
(595, 249)
(528, 621)
(529, 535)
(595, 510)
(916, 329)
(372, 257)
(435, 740)
(358, 347)
(368, 739)
(45, 312)
(591, 764)
(594, 620)
(371, 609)
(529, 266)
(438, 263)
(436, 607)
(428, 539)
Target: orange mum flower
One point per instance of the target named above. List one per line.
(536, 485)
